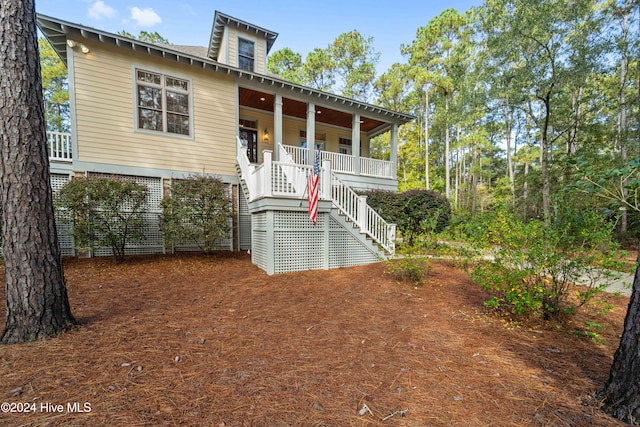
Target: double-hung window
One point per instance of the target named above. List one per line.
(163, 103)
(246, 54)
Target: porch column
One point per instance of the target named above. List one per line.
(355, 143)
(311, 132)
(277, 125)
(394, 150)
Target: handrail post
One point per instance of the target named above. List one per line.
(362, 214)
(326, 180)
(266, 178)
(391, 237)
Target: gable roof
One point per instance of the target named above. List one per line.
(58, 32)
(220, 21)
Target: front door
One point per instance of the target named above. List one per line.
(249, 139)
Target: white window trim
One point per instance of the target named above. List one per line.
(134, 93)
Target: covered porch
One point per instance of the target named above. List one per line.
(341, 130)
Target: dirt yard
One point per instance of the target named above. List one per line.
(194, 341)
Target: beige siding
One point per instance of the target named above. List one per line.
(259, 60)
(105, 109)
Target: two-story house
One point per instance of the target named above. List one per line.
(156, 113)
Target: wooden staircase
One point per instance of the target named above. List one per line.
(350, 229)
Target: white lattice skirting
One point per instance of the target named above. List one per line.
(287, 241)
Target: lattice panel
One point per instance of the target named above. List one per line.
(153, 243)
(298, 221)
(153, 183)
(63, 225)
(345, 250)
(298, 244)
(298, 251)
(259, 221)
(65, 237)
(58, 181)
(244, 220)
(220, 244)
(259, 250)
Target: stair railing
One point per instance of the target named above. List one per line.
(357, 210)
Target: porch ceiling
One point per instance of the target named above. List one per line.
(290, 107)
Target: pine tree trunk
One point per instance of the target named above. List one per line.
(37, 304)
(621, 393)
(447, 158)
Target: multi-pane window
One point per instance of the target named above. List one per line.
(344, 145)
(163, 103)
(246, 54)
(320, 140)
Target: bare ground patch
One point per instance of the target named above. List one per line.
(192, 340)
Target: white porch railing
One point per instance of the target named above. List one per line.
(345, 163)
(59, 146)
(375, 167)
(339, 162)
(281, 179)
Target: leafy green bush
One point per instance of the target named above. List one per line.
(535, 267)
(408, 269)
(415, 212)
(197, 211)
(106, 212)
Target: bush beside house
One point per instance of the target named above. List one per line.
(197, 211)
(415, 212)
(106, 211)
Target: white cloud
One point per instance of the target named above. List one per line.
(145, 17)
(100, 10)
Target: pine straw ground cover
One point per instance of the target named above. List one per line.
(194, 341)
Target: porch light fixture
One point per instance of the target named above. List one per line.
(71, 43)
(265, 135)
(84, 49)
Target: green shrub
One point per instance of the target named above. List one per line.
(415, 212)
(535, 267)
(408, 269)
(197, 211)
(106, 212)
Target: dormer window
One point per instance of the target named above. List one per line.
(246, 54)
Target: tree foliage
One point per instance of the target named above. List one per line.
(287, 64)
(197, 211)
(54, 88)
(106, 212)
(145, 36)
(347, 66)
(355, 60)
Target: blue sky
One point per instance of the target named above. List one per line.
(302, 25)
